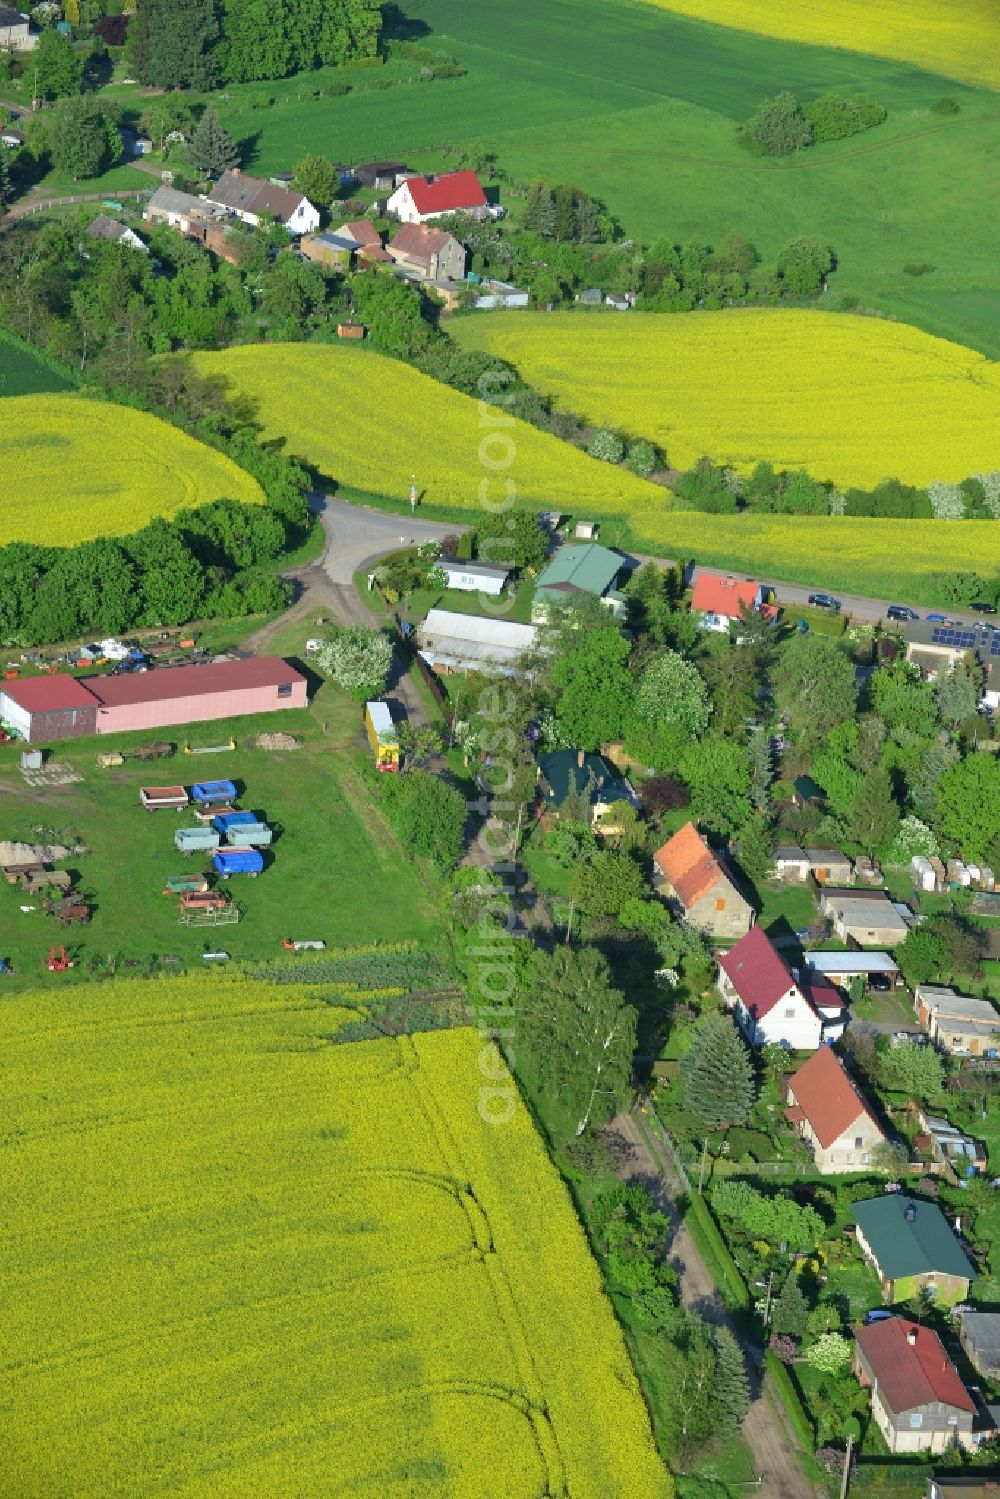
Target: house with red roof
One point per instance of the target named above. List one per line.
(693, 880)
(769, 1004)
(421, 198)
(721, 600)
(918, 1399)
(829, 1113)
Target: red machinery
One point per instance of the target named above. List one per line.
(58, 961)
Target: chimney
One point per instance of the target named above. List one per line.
(580, 758)
(911, 1337)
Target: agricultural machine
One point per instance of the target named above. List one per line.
(58, 961)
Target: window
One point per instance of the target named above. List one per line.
(720, 904)
(916, 1420)
(790, 1013)
(858, 1142)
(285, 689)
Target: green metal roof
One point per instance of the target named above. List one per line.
(587, 569)
(921, 1245)
(558, 767)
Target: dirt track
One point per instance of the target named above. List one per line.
(771, 1444)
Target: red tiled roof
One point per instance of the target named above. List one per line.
(826, 1096)
(49, 694)
(820, 995)
(758, 972)
(419, 241)
(447, 194)
(192, 681)
(689, 864)
(911, 1374)
(363, 232)
(722, 595)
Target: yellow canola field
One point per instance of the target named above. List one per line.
(241, 1258)
(373, 423)
(883, 558)
(957, 38)
(848, 398)
(75, 469)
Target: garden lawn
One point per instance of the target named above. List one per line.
(961, 41)
(76, 469)
(848, 398)
(334, 871)
(257, 1259)
(375, 423)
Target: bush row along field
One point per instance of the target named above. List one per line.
(850, 399)
(241, 1259)
(374, 423)
(880, 558)
(959, 40)
(76, 469)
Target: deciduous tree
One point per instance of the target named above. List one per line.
(358, 659)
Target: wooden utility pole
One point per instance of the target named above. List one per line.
(847, 1468)
(701, 1169)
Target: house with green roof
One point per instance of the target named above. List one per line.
(566, 773)
(911, 1247)
(574, 571)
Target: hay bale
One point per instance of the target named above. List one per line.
(277, 742)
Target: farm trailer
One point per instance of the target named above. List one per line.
(189, 841)
(250, 835)
(159, 798)
(382, 736)
(213, 791)
(226, 820)
(228, 861)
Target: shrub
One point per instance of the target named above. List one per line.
(777, 129)
(833, 117)
(919, 268)
(946, 106)
(641, 458)
(607, 446)
(947, 501)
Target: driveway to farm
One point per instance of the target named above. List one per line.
(357, 534)
(771, 1443)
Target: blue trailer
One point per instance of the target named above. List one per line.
(237, 861)
(227, 820)
(213, 791)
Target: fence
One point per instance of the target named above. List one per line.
(46, 203)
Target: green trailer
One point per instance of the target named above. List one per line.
(184, 884)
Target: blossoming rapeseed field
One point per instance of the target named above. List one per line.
(75, 469)
(372, 423)
(960, 40)
(241, 1258)
(851, 399)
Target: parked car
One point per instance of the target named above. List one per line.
(879, 1314)
(901, 612)
(983, 608)
(824, 601)
(880, 983)
(936, 619)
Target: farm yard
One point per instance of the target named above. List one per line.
(932, 34)
(374, 423)
(329, 840)
(849, 399)
(399, 1289)
(76, 469)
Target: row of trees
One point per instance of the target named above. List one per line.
(199, 44)
(207, 563)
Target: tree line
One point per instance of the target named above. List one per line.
(781, 126)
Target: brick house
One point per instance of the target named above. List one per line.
(691, 877)
(829, 1113)
(918, 1400)
(433, 253)
(911, 1246)
(770, 1007)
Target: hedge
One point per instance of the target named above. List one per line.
(888, 1475)
(789, 1396)
(715, 1251)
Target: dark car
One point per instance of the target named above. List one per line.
(983, 608)
(879, 982)
(824, 601)
(901, 611)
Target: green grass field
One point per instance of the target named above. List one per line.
(23, 372)
(332, 845)
(639, 107)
